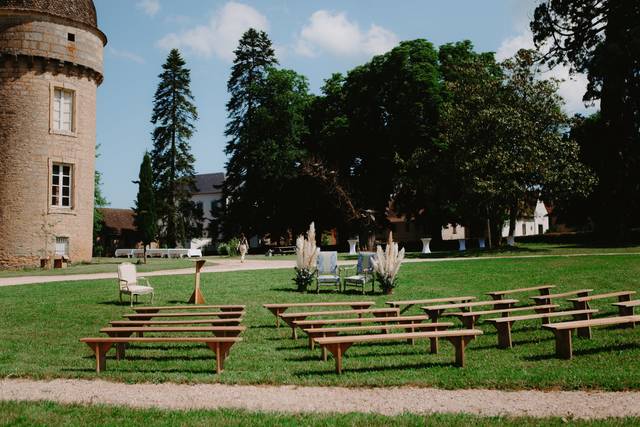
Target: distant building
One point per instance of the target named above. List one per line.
(208, 196)
(526, 225)
(118, 231)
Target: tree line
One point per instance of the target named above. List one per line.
(438, 134)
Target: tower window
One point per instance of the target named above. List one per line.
(61, 185)
(62, 246)
(63, 110)
(71, 37)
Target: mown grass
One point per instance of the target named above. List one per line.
(50, 414)
(41, 325)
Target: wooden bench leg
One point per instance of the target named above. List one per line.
(221, 349)
(459, 343)
(469, 321)
(625, 311)
(100, 350)
(434, 345)
(504, 335)
(624, 298)
(277, 312)
(578, 305)
(564, 348)
(338, 351)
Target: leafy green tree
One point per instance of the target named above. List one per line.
(99, 201)
(266, 201)
(145, 218)
(506, 131)
(368, 122)
(174, 114)
(266, 128)
(601, 38)
(254, 56)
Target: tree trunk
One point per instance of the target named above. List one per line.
(513, 217)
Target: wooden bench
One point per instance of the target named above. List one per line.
(504, 324)
(409, 327)
(546, 299)
(469, 318)
(278, 309)
(543, 289)
(212, 322)
(339, 345)
(626, 308)
(563, 331)
(100, 346)
(319, 323)
(127, 331)
(435, 311)
(410, 303)
(290, 318)
(284, 250)
(188, 307)
(582, 303)
(220, 314)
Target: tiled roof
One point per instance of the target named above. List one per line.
(118, 219)
(82, 11)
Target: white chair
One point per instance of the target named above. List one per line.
(327, 270)
(128, 282)
(363, 273)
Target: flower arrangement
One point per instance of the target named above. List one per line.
(386, 265)
(306, 256)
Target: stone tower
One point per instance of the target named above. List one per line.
(51, 54)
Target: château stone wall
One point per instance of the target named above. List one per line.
(36, 57)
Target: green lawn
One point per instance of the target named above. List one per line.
(46, 413)
(41, 325)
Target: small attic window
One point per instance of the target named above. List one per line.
(71, 37)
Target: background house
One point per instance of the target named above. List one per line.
(527, 225)
(208, 195)
(118, 231)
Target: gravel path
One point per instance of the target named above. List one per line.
(294, 399)
(226, 265)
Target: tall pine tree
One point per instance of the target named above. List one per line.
(254, 57)
(174, 114)
(145, 218)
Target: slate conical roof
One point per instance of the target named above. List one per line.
(82, 11)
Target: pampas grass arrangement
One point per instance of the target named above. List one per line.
(386, 265)
(306, 257)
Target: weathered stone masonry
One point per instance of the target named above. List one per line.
(41, 50)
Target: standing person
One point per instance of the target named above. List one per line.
(243, 247)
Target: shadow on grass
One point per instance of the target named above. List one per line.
(585, 352)
(364, 369)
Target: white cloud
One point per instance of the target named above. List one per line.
(220, 37)
(150, 7)
(335, 34)
(126, 55)
(572, 88)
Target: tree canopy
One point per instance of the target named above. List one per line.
(174, 114)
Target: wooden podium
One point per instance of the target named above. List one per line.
(196, 297)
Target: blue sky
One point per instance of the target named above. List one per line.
(315, 38)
